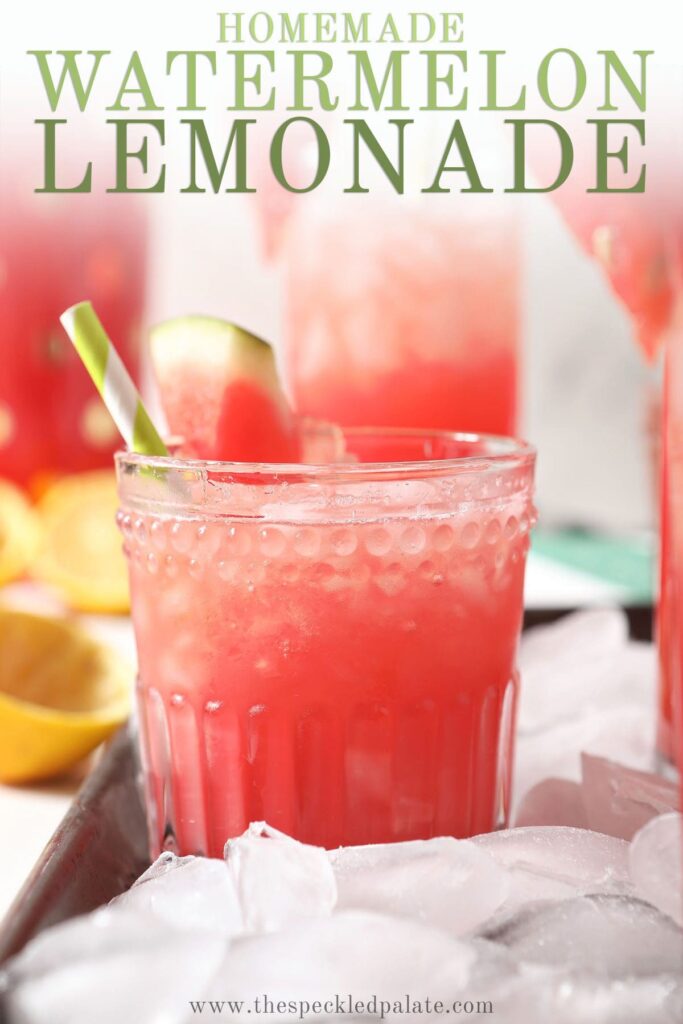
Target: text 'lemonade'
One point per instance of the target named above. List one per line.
(333, 648)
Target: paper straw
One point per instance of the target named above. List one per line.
(112, 380)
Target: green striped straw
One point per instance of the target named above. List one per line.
(112, 380)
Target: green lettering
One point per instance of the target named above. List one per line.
(492, 84)
(292, 32)
(356, 31)
(603, 154)
(267, 33)
(242, 79)
(301, 76)
(325, 27)
(50, 161)
(389, 29)
(613, 64)
(123, 154)
(238, 137)
(430, 27)
(579, 78)
(225, 27)
(452, 27)
(70, 69)
(394, 172)
(566, 155)
(276, 154)
(191, 73)
(434, 79)
(458, 139)
(135, 70)
(365, 74)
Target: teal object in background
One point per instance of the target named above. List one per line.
(628, 564)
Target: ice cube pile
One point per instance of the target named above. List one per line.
(572, 916)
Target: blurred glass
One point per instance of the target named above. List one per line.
(404, 313)
(670, 619)
(56, 250)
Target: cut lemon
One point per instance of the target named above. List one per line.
(81, 553)
(61, 694)
(19, 532)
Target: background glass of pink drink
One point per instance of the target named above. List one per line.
(54, 250)
(404, 314)
(331, 649)
(638, 239)
(670, 625)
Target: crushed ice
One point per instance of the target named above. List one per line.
(572, 916)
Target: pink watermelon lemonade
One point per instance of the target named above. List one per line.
(638, 241)
(51, 421)
(404, 315)
(670, 623)
(331, 648)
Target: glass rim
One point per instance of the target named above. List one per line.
(505, 452)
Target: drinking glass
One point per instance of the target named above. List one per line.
(404, 314)
(329, 648)
(56, 250)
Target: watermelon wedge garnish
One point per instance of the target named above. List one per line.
(220, 392)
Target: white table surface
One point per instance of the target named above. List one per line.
(29, 815)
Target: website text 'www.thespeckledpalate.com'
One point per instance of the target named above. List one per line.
(340, 1006)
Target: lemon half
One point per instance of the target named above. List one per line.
(81, 553)
(61, 694)
(19, 532)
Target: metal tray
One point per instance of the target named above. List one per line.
(100, 848)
